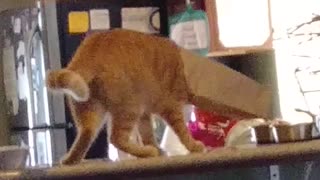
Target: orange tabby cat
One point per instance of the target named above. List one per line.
(130, 75)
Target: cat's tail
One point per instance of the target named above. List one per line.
(68, 82)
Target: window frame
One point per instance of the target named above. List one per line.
(216, 46)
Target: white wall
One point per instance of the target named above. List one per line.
(287, 14)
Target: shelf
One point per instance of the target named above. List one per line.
(222, 158)
(237, 52)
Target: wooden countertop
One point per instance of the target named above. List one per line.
(225, 158)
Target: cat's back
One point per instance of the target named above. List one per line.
(126, 48)
(125, 44)
(131, 62)
(126, 51)
(130, 39)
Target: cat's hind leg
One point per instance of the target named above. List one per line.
(123, 124)
(147, 132)
(89, 122)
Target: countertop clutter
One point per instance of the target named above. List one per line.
(232, 157)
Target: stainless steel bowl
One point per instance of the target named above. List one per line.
(12, 157)
(282, 133)
(263, 134)
(292, 133)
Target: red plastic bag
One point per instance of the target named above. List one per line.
(210, 128)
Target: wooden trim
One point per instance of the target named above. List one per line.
(238, 51)
(211, 10)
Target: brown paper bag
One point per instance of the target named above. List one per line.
(220, 89)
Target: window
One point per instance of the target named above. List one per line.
(238, 24)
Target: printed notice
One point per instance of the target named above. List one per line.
(141, 19)
(78, 22)
(99, 19)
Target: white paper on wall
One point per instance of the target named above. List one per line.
(140, 19)
(17, 26)
(99, 19)
(21, 51)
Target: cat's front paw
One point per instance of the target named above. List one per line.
(148, 151)
(66, 160)
(151, 151)
(198, 147)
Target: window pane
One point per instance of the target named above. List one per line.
(243, 23)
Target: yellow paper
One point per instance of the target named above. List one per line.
(78, 22)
